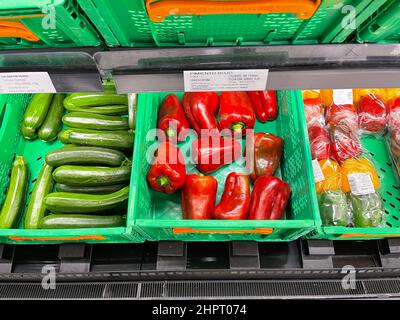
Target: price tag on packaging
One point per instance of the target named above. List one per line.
(225, 80)
(342, 96)
(318, 174)
(360, 184)
(26, 82)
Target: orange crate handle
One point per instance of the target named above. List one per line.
(10, 29)
(158, 11)
(191, 230)
(76, 238)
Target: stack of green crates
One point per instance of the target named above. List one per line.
(13, 143)
(383, 26)
(128, 24)
(57, 23)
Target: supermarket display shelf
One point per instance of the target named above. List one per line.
(167, 270)
(161, 69)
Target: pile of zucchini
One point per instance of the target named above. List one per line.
(43, 116)
(90, 174)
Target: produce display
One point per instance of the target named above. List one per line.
(346, 180)
(88, 176)
(218, 124)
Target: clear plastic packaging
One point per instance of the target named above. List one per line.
(371, 110)
(319, 142)
(393, 141)
(345, 143)
(314, 111)
(368, 211)
(334, 209)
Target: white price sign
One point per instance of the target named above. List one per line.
(342, 96)
(26, 82)
(360, 184)
(225, 80)
(318, 174)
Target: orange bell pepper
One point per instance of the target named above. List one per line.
(332, 174)
(361, 165)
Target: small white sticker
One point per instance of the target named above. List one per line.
(360, 184)
(225, 80)
(26, 82)
(318, 174)
(342, 96)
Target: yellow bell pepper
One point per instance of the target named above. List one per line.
(361, 165)
(332, 174)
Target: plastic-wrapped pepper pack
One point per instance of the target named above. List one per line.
(346, 180)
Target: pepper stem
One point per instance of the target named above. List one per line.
(170, 132)
(163, 181)
(238, 126)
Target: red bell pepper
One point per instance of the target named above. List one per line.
(264, 104)
(319, 142)
(200, 109)
(212, 153)
(394, 113)
(168, 171)
(343, 116)
(269, 198)
(236, 112)
(265, 156)
(171, 118)
(371, 114)
(344, 144)
(314, 112)
(235, 199)
(198, 197)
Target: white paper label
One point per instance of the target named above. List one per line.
(342, 96)
(360, 184)
(225, 80)
(318, 174)
(26, 82)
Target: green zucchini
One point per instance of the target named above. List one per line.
(13, 205)
(89, 190)
(65, 202)
(85, 155)
(107, 139)
(94, 99)
(63, 136)
(105, 110)
(91, 176)
(36, 110)
(74, 221)
(36, 208)
(84, 120)
(53, 122)
(28, 134)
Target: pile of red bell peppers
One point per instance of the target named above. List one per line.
(212, 116)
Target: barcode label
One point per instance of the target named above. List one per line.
(318, 174)
(360, 184)
(342, 96)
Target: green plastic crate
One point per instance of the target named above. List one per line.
(128, 24)
(71, 28)
(389, 190)
(124, 24)
(12, 142)
(159, 216)
(383, 26)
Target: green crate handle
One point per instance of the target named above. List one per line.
(222, 231)
(159, 10)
